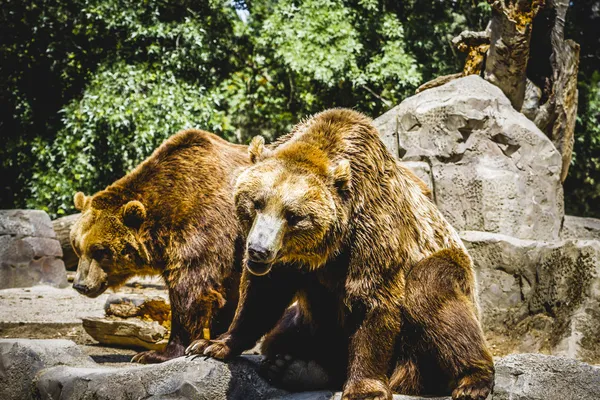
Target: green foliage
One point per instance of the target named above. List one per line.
(582, 187)
(134, 108)
(88, 88)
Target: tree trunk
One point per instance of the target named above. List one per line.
(553, 67)
(510, 34)
(62, 227)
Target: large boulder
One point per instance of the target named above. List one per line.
(492, 169)
(30, 254)
(539, 296)
(22, 359)
(57, 369)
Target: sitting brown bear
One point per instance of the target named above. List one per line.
(384, 287)
(173, 216)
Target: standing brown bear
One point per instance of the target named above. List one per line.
(174, 216)
(385, 289)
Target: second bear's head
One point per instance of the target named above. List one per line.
(291, 205)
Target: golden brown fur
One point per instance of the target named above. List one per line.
(384, 287)
(173, 216)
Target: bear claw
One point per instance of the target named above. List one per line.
(197, 347)
(472, 388)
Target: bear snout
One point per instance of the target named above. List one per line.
(259, 253)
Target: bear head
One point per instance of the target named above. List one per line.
(107, 240)
(290, 205)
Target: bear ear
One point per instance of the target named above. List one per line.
(81, 201)
(257, 149)
(134, 213)
(341, 174)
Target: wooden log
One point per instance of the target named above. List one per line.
(62, 227)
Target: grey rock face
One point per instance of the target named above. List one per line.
(541, 377)
(57, 369)
(30, 254)
(539, 296)
(492, 169)
(22, 359)
(580, 228)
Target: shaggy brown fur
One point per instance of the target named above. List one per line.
(173, 216)
(385, 289)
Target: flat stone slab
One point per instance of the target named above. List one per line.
(53, 369)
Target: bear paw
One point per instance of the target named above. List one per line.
(156, 356)
(218, 349)
(197, 347)
(293, 374)
(473, 387)
(366, 389)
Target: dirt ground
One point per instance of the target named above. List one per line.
(43, 312)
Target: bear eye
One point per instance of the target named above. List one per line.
(293, 219)
(100, 253)
(259, 204)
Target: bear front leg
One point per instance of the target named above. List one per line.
(263, 300)
(370, 352)
(175, 348)
(193, 305)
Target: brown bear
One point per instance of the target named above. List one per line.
(384, 288)
(173, 216)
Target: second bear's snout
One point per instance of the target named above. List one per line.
(259, 253)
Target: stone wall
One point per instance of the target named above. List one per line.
(30, 254)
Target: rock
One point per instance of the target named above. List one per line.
(53, 369)
(30, 254)
(180, 378)
(542, 377)
(127, 332)
(492, 169)
(580, 228)
(22, 359)
(539, 296)
(26, 223)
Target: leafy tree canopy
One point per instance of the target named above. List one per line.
(88, 88)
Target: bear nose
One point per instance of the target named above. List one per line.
(258, 253)
(83, 289)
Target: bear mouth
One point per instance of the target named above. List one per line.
(258, 268)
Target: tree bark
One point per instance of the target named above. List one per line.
(553, 67)
(510, 34)
(476, 45)
(62, 227)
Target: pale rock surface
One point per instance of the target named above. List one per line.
(56, 369)
(30, 254)
(492, 169)
(580, 228)
(539, 296)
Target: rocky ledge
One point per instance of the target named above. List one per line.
(59, 369)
